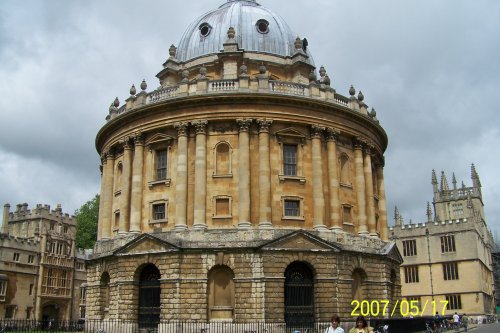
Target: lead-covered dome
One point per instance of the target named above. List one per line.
(258, 29)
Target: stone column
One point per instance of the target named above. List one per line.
(317, 178)
(264, 174)
(137, 172)
(200, 175)
(382, 208)
(181, 187)
(360, 186)
(101, 197)
(333, 178)
(107, 201)
(125, 195)
(244, 173)
(5, 221)
(370, 204)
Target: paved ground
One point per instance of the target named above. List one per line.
(481, 328)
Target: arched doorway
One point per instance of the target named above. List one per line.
(149, 296)
(299, 295)
(50, 315)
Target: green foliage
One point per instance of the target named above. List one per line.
(86, 223)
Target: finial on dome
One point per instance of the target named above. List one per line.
(312, 76)
(361, 97)
(298, 43)
(116, 103)
(322, 71)
(172, 51)
(262, 69)
(185, 76)
(243, 70)
(203, 72)
(373, 113)
(144, 86)
(133, 91)
(326, 80)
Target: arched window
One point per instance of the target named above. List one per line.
(299, 294)
(222, 159)
(104, 284)
(345, 174)
(149, 296)
(358, 280)
(220, 293)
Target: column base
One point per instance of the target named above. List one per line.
(244, 225)
(134, 232)
(374, 235)
(180, 227)
(265, 225)
(337, 229)
(200, 227)
(320, 227)
(363, 233)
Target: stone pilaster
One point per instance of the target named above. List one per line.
(317, 178)
(244, 173)
(125, 195)
(264, 174)
(333, 178)
(370, 203)
(181, 187)
(360, 186)
(101, 197)
(107, 200)
(137, 174)
(200, 175)
(382, 208)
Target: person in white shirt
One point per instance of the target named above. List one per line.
(335, 325)
(456, 321)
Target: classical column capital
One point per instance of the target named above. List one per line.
(368, 148)
(139, 138)
(244, 124)
(358, 142)
(181, 128)
(109, 154)
(264, 124)
(317, 131)
(126, 142)
(332, 134)
(200, 126)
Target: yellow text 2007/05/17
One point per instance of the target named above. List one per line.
(403, 307)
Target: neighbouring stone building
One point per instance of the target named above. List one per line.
(449, 256)
(244, 188)
(42, 275)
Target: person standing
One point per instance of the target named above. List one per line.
(456, 321)
(465, 321)
(335, 325)
(361, 326)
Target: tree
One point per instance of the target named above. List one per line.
(86, 223)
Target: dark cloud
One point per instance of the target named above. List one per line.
(429, 68)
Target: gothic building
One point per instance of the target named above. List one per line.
(243, 188)
(449, 256)
(42, 274)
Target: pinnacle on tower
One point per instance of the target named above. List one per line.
(429, 212)
(474, 176)
(454, 181)
(396, 216)
(444, 182)
(434, 182)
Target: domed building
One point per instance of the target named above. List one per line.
(243, 189)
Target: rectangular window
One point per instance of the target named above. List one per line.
(9, 311)
(290, 160)
(16, 257)
(450, 271)
(222, 207)
(31, 259)
(454, 302)
(411, 274)
(292, 208)
(52, 226)
(347, 214)
(117, 219)
(29, 311)
(161, 164)
(82, 311)
(448, 244)
(83, 294)
(410, 248)
(3, 290)
(415, 300)
(159, 211)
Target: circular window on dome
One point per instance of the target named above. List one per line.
(262, 26)
(205, 29)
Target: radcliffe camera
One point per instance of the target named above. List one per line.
(249, 186)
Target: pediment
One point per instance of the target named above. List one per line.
(392, 252)
(300, 241)
(159, 138)
(144, 244)
(291, 133)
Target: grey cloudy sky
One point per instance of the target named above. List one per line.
(431, 69)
